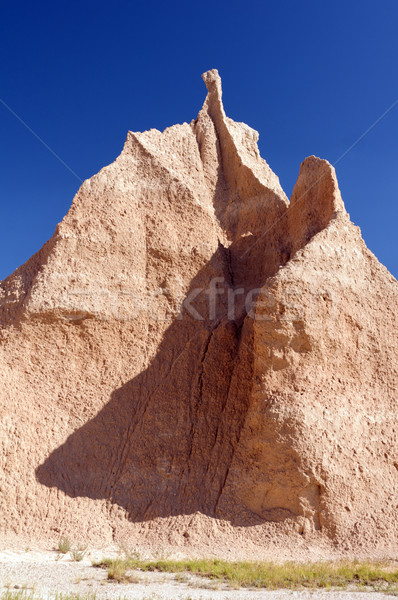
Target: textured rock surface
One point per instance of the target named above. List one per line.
(191, 360)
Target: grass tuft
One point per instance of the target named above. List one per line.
(64, 545)
(118, 571)
(78, 553)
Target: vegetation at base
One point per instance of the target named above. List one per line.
(77, 554)
(64, 545)
(118, 571)
(382, 576)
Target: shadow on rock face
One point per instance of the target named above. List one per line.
(164, 443)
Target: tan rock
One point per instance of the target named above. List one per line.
(189, 352)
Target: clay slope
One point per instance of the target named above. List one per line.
(193, 360)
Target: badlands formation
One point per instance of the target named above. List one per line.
(192, 361)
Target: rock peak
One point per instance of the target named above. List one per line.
(212, 80)
(189, 349)
(213, 101)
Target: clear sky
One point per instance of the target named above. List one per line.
(310, 76)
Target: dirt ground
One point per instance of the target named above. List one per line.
(47, 573)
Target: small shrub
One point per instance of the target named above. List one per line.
(64, 545)
(117, 571)
(78, 553)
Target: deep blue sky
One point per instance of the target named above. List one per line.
(310, 76)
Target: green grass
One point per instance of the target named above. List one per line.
(321, 575)
(64, 545)
(118, 571)
(77, 554)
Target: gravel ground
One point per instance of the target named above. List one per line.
(47, 573)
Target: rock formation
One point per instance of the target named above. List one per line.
(193, 358)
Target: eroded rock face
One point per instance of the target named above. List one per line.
(189, 343)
